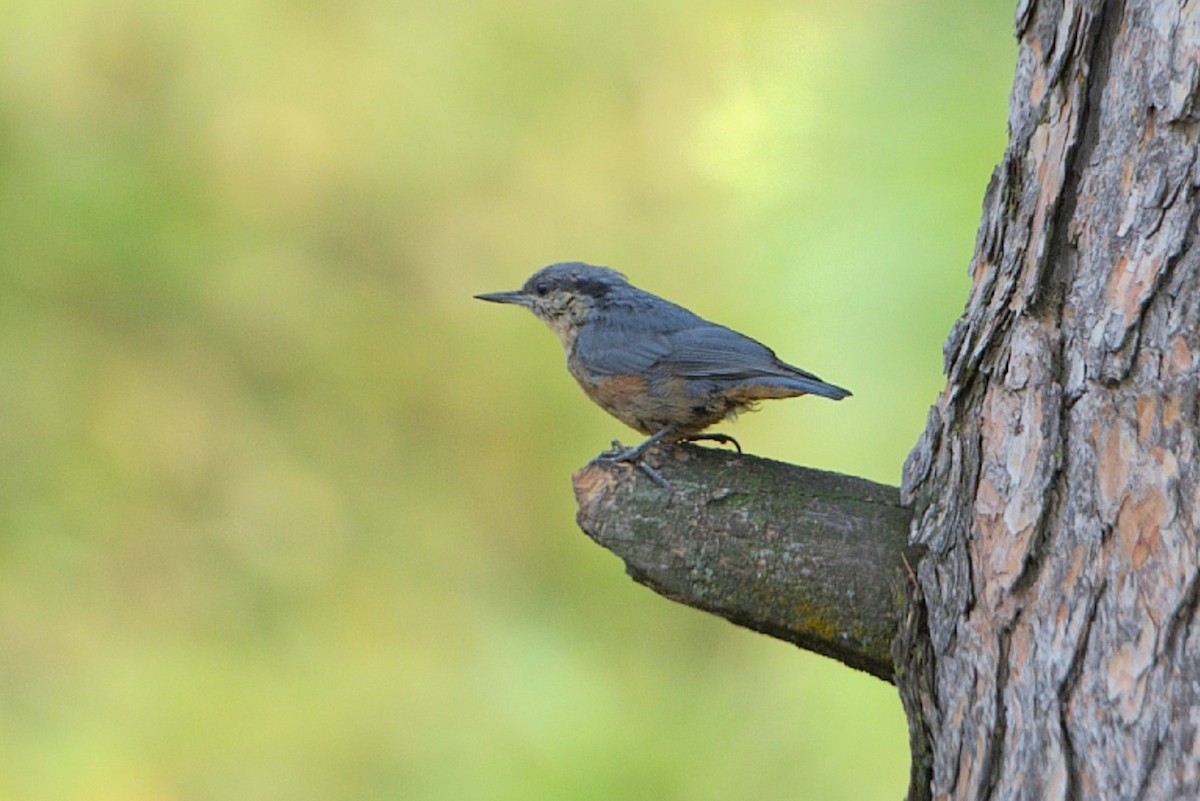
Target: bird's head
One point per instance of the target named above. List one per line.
(563, 295)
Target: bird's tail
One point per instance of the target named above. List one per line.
(791, 385)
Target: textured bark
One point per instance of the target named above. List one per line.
(1055, 651)
(814, 558)
(1048, 647)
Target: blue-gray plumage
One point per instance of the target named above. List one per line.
(653, 364)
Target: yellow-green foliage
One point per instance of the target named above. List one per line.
(285, 514)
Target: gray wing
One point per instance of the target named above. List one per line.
(607, 349)
(676, 343)
(633, 335)
(681, 345)
(715, 352)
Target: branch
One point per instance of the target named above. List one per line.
(814, 558)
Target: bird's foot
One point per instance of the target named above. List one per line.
(654, 475)
(616, 452)
(724, 439)
(620, 453)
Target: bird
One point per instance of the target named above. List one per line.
(659, 368)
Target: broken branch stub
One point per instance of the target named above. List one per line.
(814, 558)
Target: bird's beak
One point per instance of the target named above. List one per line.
(516, 296)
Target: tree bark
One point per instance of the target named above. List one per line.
(1048, 647)
(1054, 651)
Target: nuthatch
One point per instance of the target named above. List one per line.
(653, 365)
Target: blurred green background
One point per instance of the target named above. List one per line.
(287, 515)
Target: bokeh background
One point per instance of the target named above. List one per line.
(285, 514)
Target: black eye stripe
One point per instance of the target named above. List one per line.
(596, 289)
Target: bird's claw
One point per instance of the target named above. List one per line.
(618, 453)
(723, 439)
(654, 475)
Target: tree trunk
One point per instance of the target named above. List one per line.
(1048, 646)
(1052, 649)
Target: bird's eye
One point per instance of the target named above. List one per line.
(541, 288)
